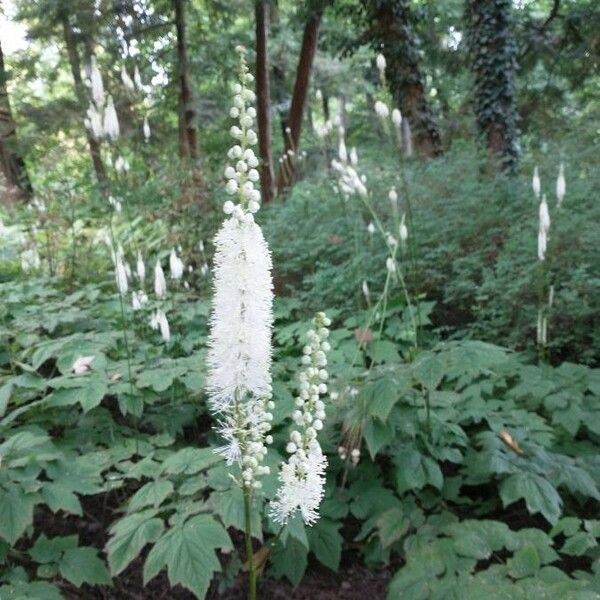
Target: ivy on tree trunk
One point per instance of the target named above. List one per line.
(493, 52)
(13, 165)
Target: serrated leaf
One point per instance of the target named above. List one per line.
(82, 565)
(47, 550)
(16, 510)
(525, 562)
(539, 494)
(58, 497)
(392, 525)
(187, 551)
(152, 494)
(289, 561)
(326, 543)
(377, 435)
(190, 460)
(129, 536)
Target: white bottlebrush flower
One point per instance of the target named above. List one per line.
(536, 183)
(353, 156)
(390, 265)
(366, 291)
(82, 364)
(160, 284)
(140, 267)
(380, 62)
(146, 129)
(93, 121)
(121, 274)
(127, 81)
(393, 196)
(397, 118)
(544, 215)
(30, 260)
(163, 325)
(138, 299)
(239, 355)
(96, 83)
(176, 265)
(302, 477)
(382, 110)
(137, 79)
(561, 185)
(403, 230)
(111, 121)
(371, 228)
(342, 152)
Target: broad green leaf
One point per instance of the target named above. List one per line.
(47, 550)
(525, 562)
(82, 565)
(190, 460)
(289, 561)
(392, 525)
(539, 494)
(377, 435)
(326, 543)
(129, 536)
(16, 512)
(187, 551)
(58, 497)
(428, 370)
(152, 494)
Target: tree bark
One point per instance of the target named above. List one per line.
(11, 160)
(187, 112)
(294, 123)
(263, 100)
(75, 65)
(493, 52)
(392, 31)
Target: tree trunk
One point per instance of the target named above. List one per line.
(493, 53)
(11, 160)
(263, 100)
(75, 65)
(187, 112)
(294, 122)
(391, 29)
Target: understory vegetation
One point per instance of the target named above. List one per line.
(462, 391)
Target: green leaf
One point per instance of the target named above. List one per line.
(295, 529)
(187, 550)
(289, 561)
(129, 536)
(428, 369)
(16, 512)
(414, 471)
(525, 562)
(5, 392)
(392, 526)
(384, 351)
(229, 505)
(59, 497)
(50, 550)
(539, 494)
(151, 494)
(326, 543)
(82, 565)
(377, 435)
(381, 396)
(190, 460)
(579, 544)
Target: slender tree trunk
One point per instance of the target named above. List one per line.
(11, 160)
(493, 54)
(75, 65)
(263, 100)
(187, 112)
(392, 31)
(294, 122)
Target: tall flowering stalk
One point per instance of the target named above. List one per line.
(239, 356)
(302, 477)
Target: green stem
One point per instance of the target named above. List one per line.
(249, 550)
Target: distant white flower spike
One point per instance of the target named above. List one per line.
(127, 81)
(140, 267)
(111, 121)
(146, 129)
(96, 83)
(160, 284)
(380, 62)
(382, 110)
(536, 183)
(176, 265)
(561, 185)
